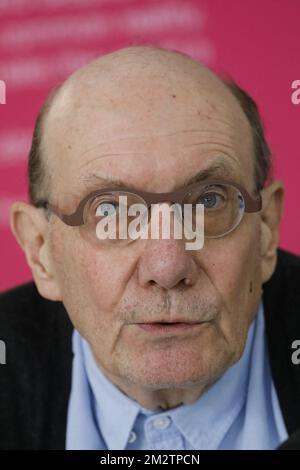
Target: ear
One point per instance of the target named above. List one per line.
(31, 230)
(272, 208)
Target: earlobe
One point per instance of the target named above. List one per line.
(27, 233)
(270, 221)
(265, 240)
(29, 229)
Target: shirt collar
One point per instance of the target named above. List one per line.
(203, 423)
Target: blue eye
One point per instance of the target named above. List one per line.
(106, 209)
(241, 202)
(211, 200)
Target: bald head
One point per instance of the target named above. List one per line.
(130, 87)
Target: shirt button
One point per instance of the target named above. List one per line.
(132, 437)
(161, 423)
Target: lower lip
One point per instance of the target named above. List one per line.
(166, 328)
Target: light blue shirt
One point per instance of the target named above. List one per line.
(239, 411)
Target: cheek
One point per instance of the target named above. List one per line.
(237, 261)
(103, 278)
(92, 280)
(233, 265)
(237, 271)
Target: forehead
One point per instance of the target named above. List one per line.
(152, 131)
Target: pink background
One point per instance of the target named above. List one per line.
(42, 41)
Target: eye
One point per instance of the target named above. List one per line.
(106, 209)
(211, 200)
(241, 202)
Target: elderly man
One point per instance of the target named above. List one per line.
(140, 343)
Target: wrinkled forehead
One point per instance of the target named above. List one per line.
(149, 126)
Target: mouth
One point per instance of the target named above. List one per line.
(164, 327)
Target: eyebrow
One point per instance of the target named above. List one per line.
(219, 169)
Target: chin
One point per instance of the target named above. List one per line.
(165, 380)
(179, 370)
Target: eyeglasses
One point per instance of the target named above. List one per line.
(224, 205)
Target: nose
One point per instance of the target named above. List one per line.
(166, 263)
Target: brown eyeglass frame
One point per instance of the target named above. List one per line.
(76, 219)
